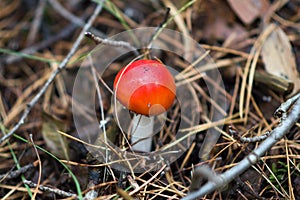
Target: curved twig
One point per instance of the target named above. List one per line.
(62, 65)
(252, 158)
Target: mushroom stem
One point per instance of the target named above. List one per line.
(141, 133)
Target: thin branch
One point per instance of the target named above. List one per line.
(252, 158)
(123, 44)
(36, 23)
(48, 189)
(62, 65)
(259, 138)
(39, 46)
(284, 107)
(70, 16)
(76, 21)
(16, 173)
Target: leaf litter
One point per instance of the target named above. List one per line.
(259, 74)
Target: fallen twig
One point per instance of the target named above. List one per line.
(16, 173)
(99, 40)
(281, 112)
(259, 138)
(48, 189)
(252, 158)
(71, 17)
(36, 23)
(62, 65)
(40, 45)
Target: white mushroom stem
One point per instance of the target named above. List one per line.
(141, 133)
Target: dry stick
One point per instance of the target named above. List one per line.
(252, 158)
(236, 135)
(62, 65)
(69, 16)
(65, 13)
(64, 33)
(114, 43)
(16, 173)
(48, 189)
(36, 22)
(41, 45)
(284, 107)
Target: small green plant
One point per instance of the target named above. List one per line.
(280, 172)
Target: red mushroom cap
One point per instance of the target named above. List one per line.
(145, 87)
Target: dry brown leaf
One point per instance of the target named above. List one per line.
(248, 10)
(279, 58)
(56, 142)
(221, 24)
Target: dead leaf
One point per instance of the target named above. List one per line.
(279, 58)
(56, 143)
(248, 10)
(222, 24)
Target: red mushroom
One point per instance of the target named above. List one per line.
(145, 87)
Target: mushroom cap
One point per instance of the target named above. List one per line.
(145, 87)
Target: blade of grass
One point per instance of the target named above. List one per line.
(77, 185)
(24, 55)
(16, 161)
(19, 167)
(183, 8)
(61, 67)
(114, 10)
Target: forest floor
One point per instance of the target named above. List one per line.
(253, 48)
